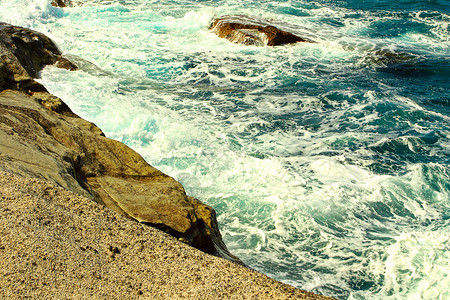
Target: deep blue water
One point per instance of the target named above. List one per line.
(327, 163)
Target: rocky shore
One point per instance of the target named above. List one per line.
(75, 206)
(43, 138)
(56, 244)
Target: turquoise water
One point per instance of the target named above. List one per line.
(327, 163)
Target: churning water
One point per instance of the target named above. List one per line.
(327, 163)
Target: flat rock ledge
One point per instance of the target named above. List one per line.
(247, 30)
(41, 137)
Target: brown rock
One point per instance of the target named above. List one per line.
(64, 63)
(251, 31)
(23, 53)
(41, 137)
(73, 153)
(61, 3)
(55, 244)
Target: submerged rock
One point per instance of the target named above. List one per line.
(388, 58)
(41, 137)
(251, 31)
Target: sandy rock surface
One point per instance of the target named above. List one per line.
(55, 244)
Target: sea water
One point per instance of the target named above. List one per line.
(327, 162)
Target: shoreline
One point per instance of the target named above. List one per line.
(57, 243)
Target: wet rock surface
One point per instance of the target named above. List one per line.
(23, 53)
(247, 30)
(61, 3)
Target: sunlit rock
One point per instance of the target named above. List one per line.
(251, 31)
(41, 137)
(61, 3)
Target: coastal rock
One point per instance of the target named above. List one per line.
(55, 244)
(23, 53)
(252, 31)
(41, 137)
(61, 3)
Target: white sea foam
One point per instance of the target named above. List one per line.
(239, 127)
(26, 13)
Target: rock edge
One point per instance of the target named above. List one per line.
(41, 137)
(247, 30)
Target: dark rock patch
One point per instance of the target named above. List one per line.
(23, 53)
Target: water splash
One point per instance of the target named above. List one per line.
(327, 163)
